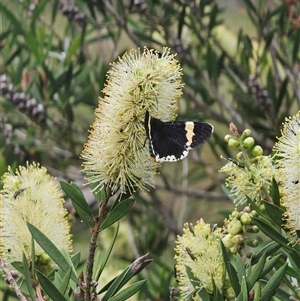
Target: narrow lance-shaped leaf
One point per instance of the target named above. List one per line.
(49, 247)
(270, 265)
(243, 295)
(269, 249)
(36, 13)
(73, 48)
(128, 292)
(275, 193)
(28, 279)
(49, 288)
(79, 202)
(255, 274)
(257, 292)
(126, 275)
(117, 212)
(104, 257)
(274, 212)
(203, 294)
(269, 230)
(234, 280)
(65, 281)
(270, 289)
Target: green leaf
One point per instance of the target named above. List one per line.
(269, 230)
(282, 295)
(123, 278)
(72, 49)
(257, 294)
(36, 13)
(49, 288)
(255, 274)
(128, 292)
(270, 265)
(250, 6)
(116, 285)
(33, 46)
(33, 256)
(54, 6)
(275, 193)
(278, 104)
(270, 288)
(65, 281)
(274, 212)
(104, 257)
(75, 258)
(296, 42)
(117, 212)
(216, 293)
(79, 202)
(269, 249)
(240, 266)
(28, 279)
(49, 247)
(243, 295)
(295, 257)
(234, 280)
(12, 18)
(203, 294)
(256, 208)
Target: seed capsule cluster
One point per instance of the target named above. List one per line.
(25, 104)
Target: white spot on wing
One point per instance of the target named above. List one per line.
(171, 158)
(189, 127)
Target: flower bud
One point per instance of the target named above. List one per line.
(233, 128)
(229, 293)
(227, 137)
(262, 208)
(253, 243)
(245, 219)
(232, 143)
(246, 209)
(234, 213)
(254, 229)
(257, 151)
(248, 142)
(227, 240)
(233, 250)
(234, 227)
(44, 258)
(246, 133)
(240, 156)
(254, 213)
(238, 239)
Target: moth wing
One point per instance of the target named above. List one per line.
(202, 132)
(168, 142)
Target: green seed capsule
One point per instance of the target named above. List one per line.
(257, 151)
(232, 143)
(248, 142)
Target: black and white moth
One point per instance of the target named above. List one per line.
(172, 141)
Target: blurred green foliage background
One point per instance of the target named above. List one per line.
(241, 64)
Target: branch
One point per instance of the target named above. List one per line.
(194, 192)
(121, 23)
(11, 280)
(92, 250)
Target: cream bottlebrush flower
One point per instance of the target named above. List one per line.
(198, 250)
(251, 181)
(31, 195)
(115, 154)
(287, 159)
